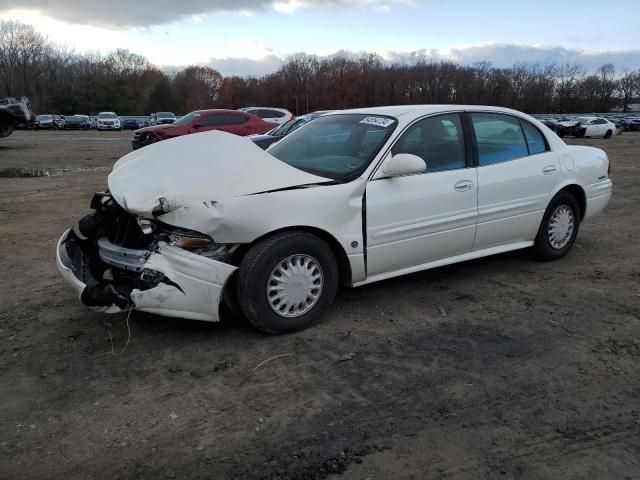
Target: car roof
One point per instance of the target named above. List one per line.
(219, 110)
(266, 108)
(419, 110)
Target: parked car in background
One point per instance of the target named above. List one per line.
(552, 124)
(130, 124)
(108, 121)
(58, 120)
(351, 198)
(76, 122)
(272, 136)
(162, 118)
(13, 112)
(633, 124)
(586, 127)
(45, 121)
(231, 121)
(270, 114)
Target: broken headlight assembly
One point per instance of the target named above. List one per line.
(190, 240)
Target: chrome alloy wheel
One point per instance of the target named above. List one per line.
(295, 285)
(561, 226)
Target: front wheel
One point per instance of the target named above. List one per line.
(286, 282)
(559, 227)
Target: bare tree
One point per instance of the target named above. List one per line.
(629, 87)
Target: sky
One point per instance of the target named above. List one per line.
(254, 37)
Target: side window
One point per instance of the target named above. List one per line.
(262, 113)
(233, 119)
(223, 119)
(210, 120)
(273, 114)
(438, 140)
(499, 138)
(535, 141)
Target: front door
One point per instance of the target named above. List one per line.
(417, 219)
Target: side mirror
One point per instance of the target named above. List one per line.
(403, 164)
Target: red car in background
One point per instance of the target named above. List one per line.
(231, 121)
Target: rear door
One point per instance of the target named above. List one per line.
(517, 173)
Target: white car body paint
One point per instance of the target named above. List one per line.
(226, 187)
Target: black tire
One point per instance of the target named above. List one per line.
(259, 263)
(608, 134)
(542, 248)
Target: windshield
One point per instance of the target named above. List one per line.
(288, 127)
(103, 116)
(165, 115)
(582, 120)
(339, 147)
(187, 119)
(45, 117)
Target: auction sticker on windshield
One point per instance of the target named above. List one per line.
(378, 121)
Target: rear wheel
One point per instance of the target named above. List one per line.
(608, 134)
(559, 227)
(286, 282)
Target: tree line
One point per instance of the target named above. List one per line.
(59, 80)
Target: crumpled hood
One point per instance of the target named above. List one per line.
(198, 168)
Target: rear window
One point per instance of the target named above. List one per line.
(535, 140)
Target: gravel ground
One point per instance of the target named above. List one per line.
(502, 367)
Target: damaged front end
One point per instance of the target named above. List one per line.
(117, 261)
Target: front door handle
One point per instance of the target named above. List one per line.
(549, 169)
(463, 186)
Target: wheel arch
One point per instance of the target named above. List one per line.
(344, 266)
(578, 193)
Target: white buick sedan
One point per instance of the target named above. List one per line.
(351, 198)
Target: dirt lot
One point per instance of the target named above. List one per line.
(498, 368)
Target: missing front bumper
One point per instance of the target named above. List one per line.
(167, 280)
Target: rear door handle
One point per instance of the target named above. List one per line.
(463, 186)
(549, 169)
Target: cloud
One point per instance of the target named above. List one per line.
(500, 55)
(245, 67)
(122, 14)
(505, 55)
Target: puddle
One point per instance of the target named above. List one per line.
(19, 172)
